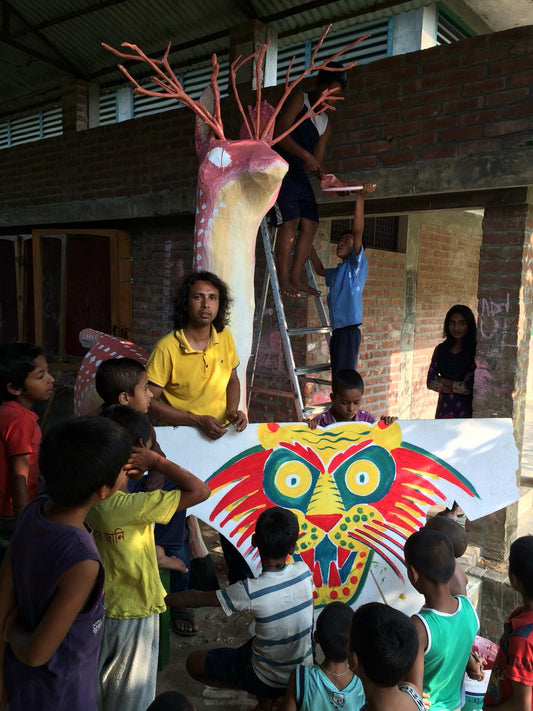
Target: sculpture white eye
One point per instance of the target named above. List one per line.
(219, 157)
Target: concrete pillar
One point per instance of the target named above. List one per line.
(246, 39)
(74, 104)
(414, 30)
(505, 299)
(411, 228)
(93, 108)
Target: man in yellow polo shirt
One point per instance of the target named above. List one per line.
(193, 370)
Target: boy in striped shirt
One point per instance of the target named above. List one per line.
(281, 602)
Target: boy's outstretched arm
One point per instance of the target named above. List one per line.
(7, 604)
(192, 598)
(72, 593)
(316, 262)
(519, 701)
(358, 223)
(289, 700)
(193, 490)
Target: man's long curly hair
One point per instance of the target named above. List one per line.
(181, 304)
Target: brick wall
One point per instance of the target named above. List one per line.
(452, 118)
(447, 275)
(505, 305)
(160, 258)
(471, 98)
(447, 118)
(383, 309)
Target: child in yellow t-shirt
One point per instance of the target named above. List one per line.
(123, 531)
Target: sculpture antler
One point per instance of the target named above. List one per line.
(171, 85)
(324, 99)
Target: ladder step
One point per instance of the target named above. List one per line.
(318, 381)
(305, 331)
(316, 409)
(317, 368)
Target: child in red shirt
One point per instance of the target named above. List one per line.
(511, 679)
(24, 380)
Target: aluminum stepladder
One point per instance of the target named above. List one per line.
(271, 280)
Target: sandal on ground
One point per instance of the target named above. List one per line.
(183, 616)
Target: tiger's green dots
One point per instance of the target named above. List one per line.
(304, 526)
(356, 519)
(303, 546)
(359, 510)
(337, 536)
(364, 517)
(372, 514)
(314, 537)
(351, 546)
(343, 527)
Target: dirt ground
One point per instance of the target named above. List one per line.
(215, 630)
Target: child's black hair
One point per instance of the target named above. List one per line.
(115, 376)
(347, 380)
(276, 532)
(385, 641)
(136, 424)
(328, 76)
(455, 532)
(171, 701)
(17, 361)
(470, 338)
(431, 555)
(521, 563)
(333, 630)
(80, 455)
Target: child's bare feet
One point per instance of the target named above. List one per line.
(287, 289)
(301, 286)
(169, 562)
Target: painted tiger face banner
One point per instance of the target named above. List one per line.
(358, 490)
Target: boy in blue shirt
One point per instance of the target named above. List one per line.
(331, 684)
(346, 283)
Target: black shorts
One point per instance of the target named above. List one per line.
(234, 667)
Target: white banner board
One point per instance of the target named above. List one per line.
(358, 490)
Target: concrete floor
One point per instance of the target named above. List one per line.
(215, 630)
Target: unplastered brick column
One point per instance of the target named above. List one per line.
(75, 105)
(505, 299)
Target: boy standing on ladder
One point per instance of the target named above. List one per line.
(346, 282)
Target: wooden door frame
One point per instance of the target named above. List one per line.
(119, 278)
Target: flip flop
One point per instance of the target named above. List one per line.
(185, 616)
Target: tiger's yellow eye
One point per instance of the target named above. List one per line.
(293, 479)
(362, 477)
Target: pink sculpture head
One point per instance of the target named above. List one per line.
(238, 181)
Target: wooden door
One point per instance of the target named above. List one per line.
(82, 279)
